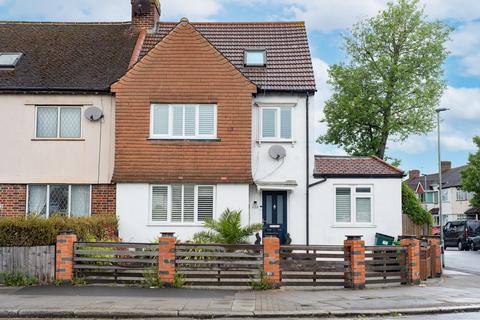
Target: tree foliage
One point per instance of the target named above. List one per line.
(412, 207)
(392, 83)
(471, 175)
(226, 230)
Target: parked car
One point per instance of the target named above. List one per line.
(457, 233)
(474, 243)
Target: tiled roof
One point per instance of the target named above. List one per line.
(450, 178)
(65, 56)
(289, 64)
(343, 166)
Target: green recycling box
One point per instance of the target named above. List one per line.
(383, 240)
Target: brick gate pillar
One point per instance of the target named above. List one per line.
(64, 256)
(413, 259)
(435, 256)
(355, 252)
(271, 260)
(166, 258)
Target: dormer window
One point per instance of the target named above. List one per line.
(255, 58)
(9, 59)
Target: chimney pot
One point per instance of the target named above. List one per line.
(413, 174)
(145, 14)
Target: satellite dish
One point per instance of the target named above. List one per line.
(277, 152)
(93, 114)
(140, 7)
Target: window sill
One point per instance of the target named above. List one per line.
(186, 139)
(276, 141)
(57, 139)
(150, 224)
(354, 225)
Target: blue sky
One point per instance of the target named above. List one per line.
(326, 20)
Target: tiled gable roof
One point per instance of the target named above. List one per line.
(289, 64)
(65, 56)
(450, 178)
(343, 166)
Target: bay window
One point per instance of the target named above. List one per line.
(69, 200)
(183, 121)
(353, 204)
(182, 203)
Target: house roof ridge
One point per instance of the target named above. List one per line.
(387, 164)
(256, 23)
(65, 23)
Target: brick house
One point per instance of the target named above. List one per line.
(193, 118)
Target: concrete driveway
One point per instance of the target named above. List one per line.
(463, 261)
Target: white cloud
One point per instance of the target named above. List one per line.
(463, 102)
(465, 43)
(194, 10)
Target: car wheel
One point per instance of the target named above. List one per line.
(460, 246)
(474, 248)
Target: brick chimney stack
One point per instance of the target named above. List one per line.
(145, 14)
(413, 174)
(446, 165)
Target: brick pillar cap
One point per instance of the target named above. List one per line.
(168, 234)
(352, 237)
(67, 232)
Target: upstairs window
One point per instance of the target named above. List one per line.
(255, 58)
(430, 197)
(276, 123)
(58, 122)
(183, 121)
(9, 59)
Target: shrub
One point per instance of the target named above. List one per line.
(17, 279)
(261, 283)
(37, 231)
(151, 278)
(178, 281)
(412, 207)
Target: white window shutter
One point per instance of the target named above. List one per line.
(286, 123)
(160, 119)
(177, 125)
(177, 203)
(189, 203)
(159, 203)
(190, 120)
(205, 202)
(364, 209)
(343, 205)
(206, 120)
(269, 123)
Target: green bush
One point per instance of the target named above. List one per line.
(412, 207)
(37, 231)
(17, 279)
(261, 283)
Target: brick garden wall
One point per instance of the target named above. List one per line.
(12, 200)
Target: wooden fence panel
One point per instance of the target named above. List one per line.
(219, 265)
(313, 265)
(35, 261)
(425, 261)
(119, 262)
(410, 228)
(385, 264)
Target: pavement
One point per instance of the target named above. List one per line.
(456, 291)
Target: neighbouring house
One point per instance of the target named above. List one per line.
(455, 201)
(168, 124)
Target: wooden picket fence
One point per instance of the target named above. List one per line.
(313, 265)
(35, 261)
(218, 265)
(385, 264)
(119, 262)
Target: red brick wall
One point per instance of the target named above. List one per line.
(104, 198)
(183, 68)
(13, 199)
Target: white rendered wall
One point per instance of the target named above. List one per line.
(133, 210)
(293, 167)
(387, 211)
(26, 160)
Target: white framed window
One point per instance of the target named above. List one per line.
(48, 199)
(276, 123)
(57, 122)
(354, 204)
(9, 59)
(464, 195)
(429, 197)
(181, 203)
(445, 196)
(183, 121)
(255, 58)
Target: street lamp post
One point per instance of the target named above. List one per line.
(440, 214)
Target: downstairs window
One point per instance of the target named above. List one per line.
(353, 204)
(69, 200)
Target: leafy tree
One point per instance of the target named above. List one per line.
(392, 82)
(412, 207)
(471, 175)
(226, 230)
